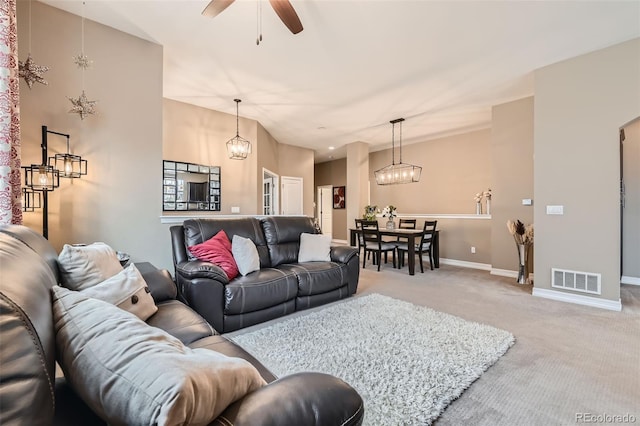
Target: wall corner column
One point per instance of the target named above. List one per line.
(357, 181)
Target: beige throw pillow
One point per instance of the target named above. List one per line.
(314, 247)
(84, 266)
(130, 373)
(127, 290)
(245, 254)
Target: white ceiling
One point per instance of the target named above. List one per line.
(357, 64)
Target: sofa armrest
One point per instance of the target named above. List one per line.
(159, 281)
(200, 269)
(342, 254)
(298, 399)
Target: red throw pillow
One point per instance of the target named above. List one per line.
(217, 250)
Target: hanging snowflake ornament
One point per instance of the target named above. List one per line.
(82, 106)
(31, 72)
(82, 61)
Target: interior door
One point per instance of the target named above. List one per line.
(630, 202)
(325, 204)
(291, 195)
(269, 192)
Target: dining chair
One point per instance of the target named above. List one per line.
(406, 224)
(372, 242)
(424, 246)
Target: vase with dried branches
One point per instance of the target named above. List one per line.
(523, 237)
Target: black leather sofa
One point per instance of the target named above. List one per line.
(32, 394)
(280, 287)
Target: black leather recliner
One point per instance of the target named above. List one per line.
(280, 287)
(31, 393)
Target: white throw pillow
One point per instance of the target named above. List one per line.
(84, 266)
(130, 373)
(314, 247)
(245, 254)
(127, 290)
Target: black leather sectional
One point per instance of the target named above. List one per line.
(32, 394)
(280, 287)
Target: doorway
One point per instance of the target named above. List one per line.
(324, 202)
(291, 196)
(269, 192)
(630, 202)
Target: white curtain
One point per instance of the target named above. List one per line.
(10, 192)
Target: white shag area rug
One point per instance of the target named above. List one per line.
(407, 362)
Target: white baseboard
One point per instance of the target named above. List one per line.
(504, 273)
(611, 305)
(630, 280)
(465, 264)
(508, 273)
(340, 242)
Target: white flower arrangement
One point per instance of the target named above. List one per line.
(487, 194)
(389, 211)
(478, 197)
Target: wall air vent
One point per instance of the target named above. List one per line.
(584, 282)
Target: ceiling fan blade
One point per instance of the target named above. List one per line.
(215, 7)
(287, 14)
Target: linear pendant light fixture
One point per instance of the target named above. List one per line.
(396, 173)
(237, 147)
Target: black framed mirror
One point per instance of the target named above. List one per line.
(190, 187)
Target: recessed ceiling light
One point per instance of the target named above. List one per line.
(332, 148)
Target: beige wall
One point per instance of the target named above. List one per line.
(334, 173)
(454, 169)
(631, 212)
(119, 201)
(294, 161)
(199, 135)
(580, 105)
(511, 177)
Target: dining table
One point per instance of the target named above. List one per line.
(412, 236)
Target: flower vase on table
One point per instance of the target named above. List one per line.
(390, 212)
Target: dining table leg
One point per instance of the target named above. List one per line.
(411, 253)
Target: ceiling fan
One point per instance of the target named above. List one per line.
(283, 9)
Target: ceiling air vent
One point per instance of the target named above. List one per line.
(584, 282)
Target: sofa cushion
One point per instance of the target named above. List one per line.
(131, 373)
(217, 250)
(227, 347)
(127, 290)
(83, 266)
(180, 321)
(282, 234)
(317, 277)
(259, 290)
(245, 254)
(314, 248)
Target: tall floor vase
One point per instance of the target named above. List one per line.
(523, 263)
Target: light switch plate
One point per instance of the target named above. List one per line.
(527, 201)
(555, 210)
(235, 209)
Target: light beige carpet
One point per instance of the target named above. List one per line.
(569, 359)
